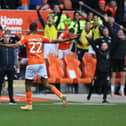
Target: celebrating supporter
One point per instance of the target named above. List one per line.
(64, 20)
(50, 31)
(77, 24)
(102, 5)
(83, 46)
(111, 8)
(100, 34)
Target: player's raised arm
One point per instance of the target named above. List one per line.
(16, 45)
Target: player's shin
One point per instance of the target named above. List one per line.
(29, 98)
(56, 91)
(60, 95)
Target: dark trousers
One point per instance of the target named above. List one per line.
(100, 84)
(80, 53)
(9, 71)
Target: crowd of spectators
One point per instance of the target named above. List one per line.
(94, 24)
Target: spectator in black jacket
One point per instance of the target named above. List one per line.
(105, 37)
(118, 51)
(121, 12)
(8, 63)
(102, 74)
(114, 26)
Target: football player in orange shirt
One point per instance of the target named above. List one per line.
(36, 64)
(65, 47)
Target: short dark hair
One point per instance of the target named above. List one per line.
(104, 27)
(71, 30)
(87, 22)
(33, 26)
(76, 12)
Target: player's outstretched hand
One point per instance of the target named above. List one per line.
(81, 3)
(106, 18)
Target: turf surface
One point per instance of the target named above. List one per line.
(50, 114)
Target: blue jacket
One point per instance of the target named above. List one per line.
(35, 2)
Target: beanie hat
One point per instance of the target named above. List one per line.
(102, 1)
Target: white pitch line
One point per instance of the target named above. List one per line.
(60, 103)
(99, 104)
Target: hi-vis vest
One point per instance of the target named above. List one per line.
(84, 40)
(75, 26)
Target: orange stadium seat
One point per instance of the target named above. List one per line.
(88, 65)
(55, 71)
(72, 69)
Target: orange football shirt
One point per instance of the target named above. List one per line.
(34, 48)
(65, 45)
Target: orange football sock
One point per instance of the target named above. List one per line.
(29, 98)
(56, 91)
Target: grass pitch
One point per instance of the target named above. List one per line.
(52, 114)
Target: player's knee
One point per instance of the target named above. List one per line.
(47, 86)
(113, 74)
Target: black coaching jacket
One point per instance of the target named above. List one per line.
(8, 55)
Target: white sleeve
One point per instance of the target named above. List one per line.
(61, 36)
